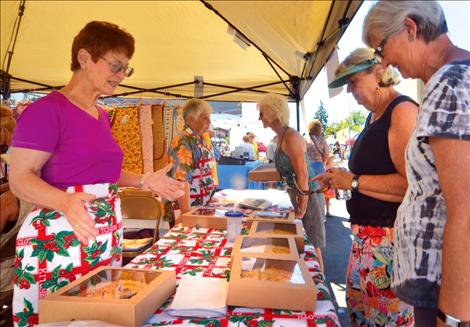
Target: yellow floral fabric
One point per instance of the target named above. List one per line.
(145, 112)
(126, 132)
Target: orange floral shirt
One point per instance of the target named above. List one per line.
(193, 160)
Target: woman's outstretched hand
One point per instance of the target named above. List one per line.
(335, 178)
(165, 186)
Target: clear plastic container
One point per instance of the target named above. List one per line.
(339, 193)
(234, 224)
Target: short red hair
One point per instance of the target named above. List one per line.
(98, 38)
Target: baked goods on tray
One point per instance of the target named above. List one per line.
(117, 289)
(269, 274)
(279, 249)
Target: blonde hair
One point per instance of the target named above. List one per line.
(274, 108)
(246, 138)
(193, 108)
(315, 127)
(390, 75)
(386, 18)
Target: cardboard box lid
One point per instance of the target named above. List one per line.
(270, 216)
(112, 284)
(264, 173)
(282, 246)
(269, 228)
(270, 270)
(207, 212)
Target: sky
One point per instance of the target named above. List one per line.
(458, 20)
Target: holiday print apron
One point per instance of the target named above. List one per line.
(49, 255)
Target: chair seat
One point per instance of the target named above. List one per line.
(136, 244)
(141, 212)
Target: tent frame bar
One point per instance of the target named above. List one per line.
(45, 86)
(137, 90)
(343, 23)
(237, 89)
(5, 76)
(278, 75)
(319, 43)
(156, 88)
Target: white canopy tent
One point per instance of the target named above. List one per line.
(287, 43)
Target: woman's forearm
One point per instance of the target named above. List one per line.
(184, 201)
(129, 179)
(383, 196)
(454, 297)
(31, 188)
(301, 178)
(452, 165)
(391, 186)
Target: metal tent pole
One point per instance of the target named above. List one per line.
(5, 78)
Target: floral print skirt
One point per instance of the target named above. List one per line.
(49, 255)
(369, 298)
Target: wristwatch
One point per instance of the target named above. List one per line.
(451, 321)
(355, 183)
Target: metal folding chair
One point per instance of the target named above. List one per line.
(141, 211)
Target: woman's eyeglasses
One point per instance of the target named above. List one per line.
(116, 66)
(379, 51)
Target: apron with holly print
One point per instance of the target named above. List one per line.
(49, 255)
(202, 185)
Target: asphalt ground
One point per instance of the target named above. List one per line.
(336, 256)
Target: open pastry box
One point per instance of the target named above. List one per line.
(270, 216)
(264, 173)
(205, 218)
(116, 295)
(276, 229)
(267, 281)
(280, 246)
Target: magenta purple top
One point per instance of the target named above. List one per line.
(83, 150)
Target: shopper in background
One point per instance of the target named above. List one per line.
(192, 156)
(247, 147)
(64, 160)
(292, 163)
(337, 153)
(271, 151)
(254, 144)
(318, 153)
(377, 179)
(431, 257)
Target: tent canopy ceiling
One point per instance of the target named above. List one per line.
(178, 40)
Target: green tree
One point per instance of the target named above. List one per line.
(322, 116)
(354, 122)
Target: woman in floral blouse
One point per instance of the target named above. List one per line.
(192, 156)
